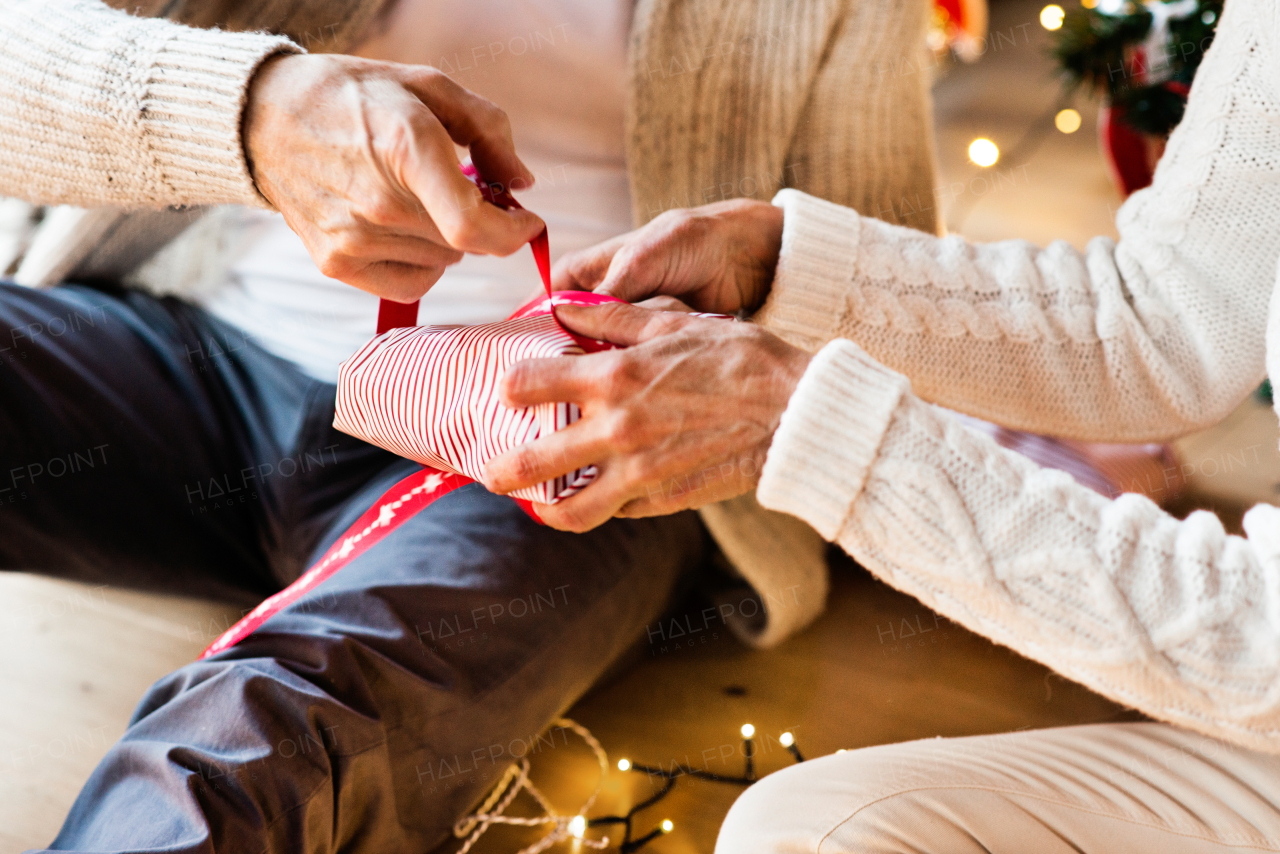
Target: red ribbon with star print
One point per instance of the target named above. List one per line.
(423, 488)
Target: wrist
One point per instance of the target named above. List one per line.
(262, 101)
(758, 234)
(790, 364)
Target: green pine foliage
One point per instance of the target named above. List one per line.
(1099, 51)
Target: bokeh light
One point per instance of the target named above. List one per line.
(1067, 121)
(1051, 17)
(984, 152)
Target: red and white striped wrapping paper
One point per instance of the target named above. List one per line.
(430, 394)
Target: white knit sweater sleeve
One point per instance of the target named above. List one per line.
(1176, 619)
(98, 107)
(1156, 335)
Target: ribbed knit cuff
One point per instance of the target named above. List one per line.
(819, 254)
(830, 436)
(193, 107)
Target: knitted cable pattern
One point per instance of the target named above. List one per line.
(1174, 618)
(1157, 335)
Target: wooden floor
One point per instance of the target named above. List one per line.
(75, 660)
(878, 667)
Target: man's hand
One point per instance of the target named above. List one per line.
(359, 157)
(717, 258)
(681, 418)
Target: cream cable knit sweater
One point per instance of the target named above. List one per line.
(126, 111)
(1149, 338)
(1160, 333)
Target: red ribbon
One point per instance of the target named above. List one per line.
(426, 486)
(396, 315)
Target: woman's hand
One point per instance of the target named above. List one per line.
(359, 157)
(719, 258)
(682, 417)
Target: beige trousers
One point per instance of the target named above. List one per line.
(1102, 789)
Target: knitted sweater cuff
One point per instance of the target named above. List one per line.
(193, 111)
(830, 436)
(820, 243)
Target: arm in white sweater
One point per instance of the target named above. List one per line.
(98, 107)
(1157, 335)
(1176, 619)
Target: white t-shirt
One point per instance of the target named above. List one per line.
(558, 68)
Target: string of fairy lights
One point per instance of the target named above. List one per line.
(574, 827)
(669, 776)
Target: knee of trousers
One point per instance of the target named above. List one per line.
(864, 797)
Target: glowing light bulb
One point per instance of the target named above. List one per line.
(842, 750)
(786, 739)
(1051, 17)
(1089, 4)
(1067, 121)
(668, 825)
(624, 764)
(984, 152)
(748, 730)
(578, 826)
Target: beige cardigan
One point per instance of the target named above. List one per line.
(729, 98)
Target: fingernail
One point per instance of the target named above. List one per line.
(488, 482)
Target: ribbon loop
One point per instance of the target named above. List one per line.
(395, 315)
(430, 394)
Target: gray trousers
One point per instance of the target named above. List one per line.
(143, 443)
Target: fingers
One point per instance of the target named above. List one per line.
(397, 282)
(351, 251)
(427, 164)
(398, 267)
(619, 323)
(474, 122)
(577, 446)
(590, 508)
(535, 381)
(649, 262)
(665, 303)
(585, 270)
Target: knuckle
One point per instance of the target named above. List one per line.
(567, 518)
(633, 254)
(345, 245)
(434, 75)
(645, 469)
(334, 263)
(615, 382)
(671, 219)
(396, 143)
(625, 431)
(666, 303)
(464, 234)
(685, 224)
(497, 119)
(383, 209)
(525, 467)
